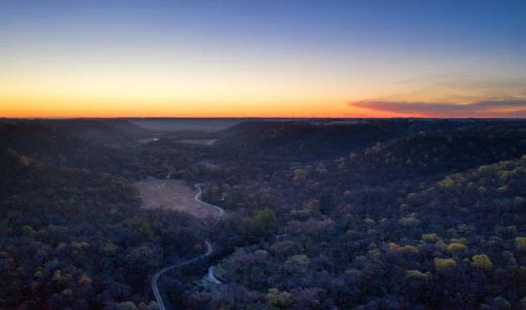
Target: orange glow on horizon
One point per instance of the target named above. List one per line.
(52, 107)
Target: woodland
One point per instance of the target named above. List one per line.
(319, 213)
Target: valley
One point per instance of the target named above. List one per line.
(291, 213)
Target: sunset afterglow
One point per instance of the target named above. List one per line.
(262, 59)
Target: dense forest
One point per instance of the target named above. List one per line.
(320, 214)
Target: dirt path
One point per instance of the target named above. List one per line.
(172, 195)
(176, 195)
(155, 278)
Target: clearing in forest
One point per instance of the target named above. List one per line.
(172, 195)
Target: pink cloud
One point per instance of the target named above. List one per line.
(510, 108)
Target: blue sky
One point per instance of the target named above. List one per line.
(261, 58)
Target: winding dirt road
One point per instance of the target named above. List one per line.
(198, 199)
(175, 195)
(155, 278)
(153, 191)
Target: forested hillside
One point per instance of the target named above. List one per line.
(428, 220)
(62, 148)
(318, 139)
(72, 235)
(320, 214)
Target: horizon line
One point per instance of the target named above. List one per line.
(258, 117)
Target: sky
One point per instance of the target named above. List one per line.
(263, 58)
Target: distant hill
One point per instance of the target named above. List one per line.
(106, 131)
(52, 144)
(320, 139)
(299, 140)
(409, 162)
(444, 152)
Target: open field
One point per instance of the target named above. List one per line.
(172, 195)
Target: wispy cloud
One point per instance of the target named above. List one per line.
(458, 88)
(486, 108)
